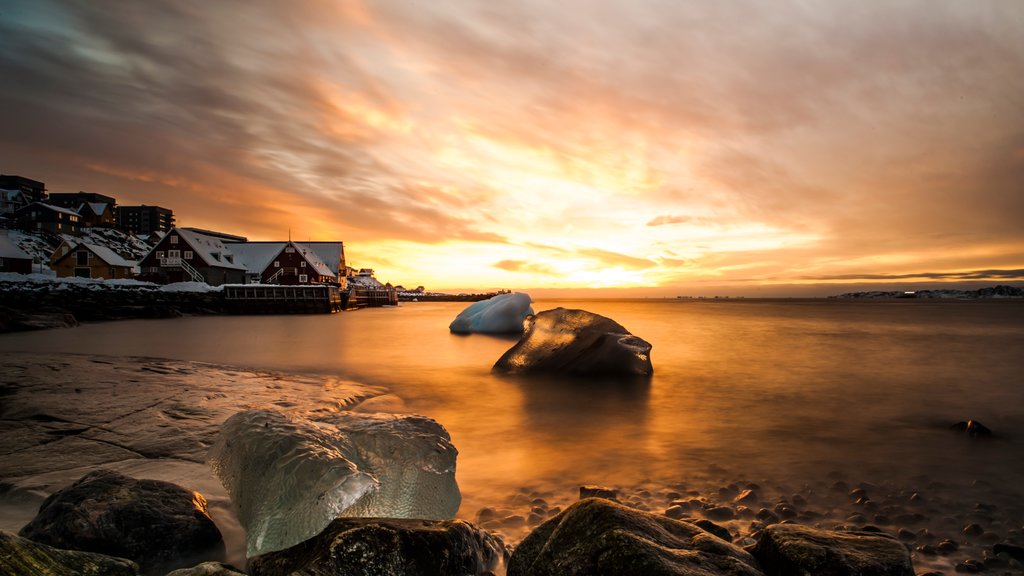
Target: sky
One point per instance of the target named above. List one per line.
(634, 147)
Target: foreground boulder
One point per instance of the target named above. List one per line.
(388, 547)
(598, 537)
(207, 569)
(23, 556)
(289, 477)
(502, 314)
(791, 549)
(158, 524)
(577, 342)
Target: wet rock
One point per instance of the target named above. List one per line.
(973, 529)
(1011, 550)
(928, 550)
(969, 567)
(794, 549)
(947, 547)
(23, 556)
(208, 569)
(972, 428)
(157, 524)
(720, 513)
(748, 496)
(596, 536)
(767, 516)
(720, 531)
(906, 535)
(576, 342)
(591, 491)
(676, 512)
(387, 547)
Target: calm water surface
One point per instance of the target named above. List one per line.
(783, 391)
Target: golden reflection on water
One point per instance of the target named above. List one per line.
(768, 391)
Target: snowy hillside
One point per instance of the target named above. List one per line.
(124, 245)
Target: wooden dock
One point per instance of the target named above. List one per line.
(278, 299)
(363, 297)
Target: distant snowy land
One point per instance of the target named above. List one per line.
(993, 292)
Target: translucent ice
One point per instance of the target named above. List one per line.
(289, 477)
(577, 342)
(500, 314)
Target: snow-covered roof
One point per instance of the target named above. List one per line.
(97, 207)
(324, 257)
(108, 255)
(212, 250)
(8, 249)
(10, 195)
(54, 208)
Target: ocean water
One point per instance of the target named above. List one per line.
(778, 392)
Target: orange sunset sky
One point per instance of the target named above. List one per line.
(643, 147)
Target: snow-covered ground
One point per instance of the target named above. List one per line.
(9, 280)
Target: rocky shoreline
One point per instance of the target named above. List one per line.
(64, 417)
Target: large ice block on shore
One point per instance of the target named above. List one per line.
(503, 313)
(577, 342)
(289, 477)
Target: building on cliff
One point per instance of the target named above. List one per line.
(34, 190)
(144, 220)
(84, 260)
(184, 255)
(12, 257)
(41, 217)
(94, 209)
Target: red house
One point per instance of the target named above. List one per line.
(292, 262)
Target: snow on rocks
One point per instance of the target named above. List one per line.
(290, 477)
(503, 313)
(577, 342)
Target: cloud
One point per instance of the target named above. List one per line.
(523, 266)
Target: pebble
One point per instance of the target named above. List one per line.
(799, 500)
(485, 514)
(591, 491)
(746, 497)
(767, 515)
(906, 535)
(513, 521)
(948, 546)
(928, 550)
(973, 530)
(785, 511)
(969, 566)
(720, 513)
(534, 519)
(676, 512)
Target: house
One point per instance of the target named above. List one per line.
(292, 262)
(85, 260)
(143, 220)
(33, 190)
(13, 258)
(95, 209)
(10, 201)
(40, 217)
(184, 255)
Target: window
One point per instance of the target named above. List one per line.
(174, 253)
(303, 278)
(302, 264)
(82, 258)
(277, 263)
(289, 250)
(160, 254)
(174, 239)
(188, 254)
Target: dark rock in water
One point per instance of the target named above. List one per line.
(591, 491)
(600, 537)
(387, 547)
(969, 567)
(208, 569)
(793, 549)
(1013, 551)
(157, 524)
(972, 428)
(577, 342)
(21, 556)
(720, 531)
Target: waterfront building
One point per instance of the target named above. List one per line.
(12, 257)
(84, 260)
(184, 255)
(292, 263)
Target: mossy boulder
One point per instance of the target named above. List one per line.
(794, 550)
(23, 556)
(600, 537)
(387, 547)
(158, 524)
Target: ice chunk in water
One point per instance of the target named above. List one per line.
(289, 477)
(577, 342)
(500, 314)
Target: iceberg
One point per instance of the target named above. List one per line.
(577, 342)
(503, 313)
(289, 477)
